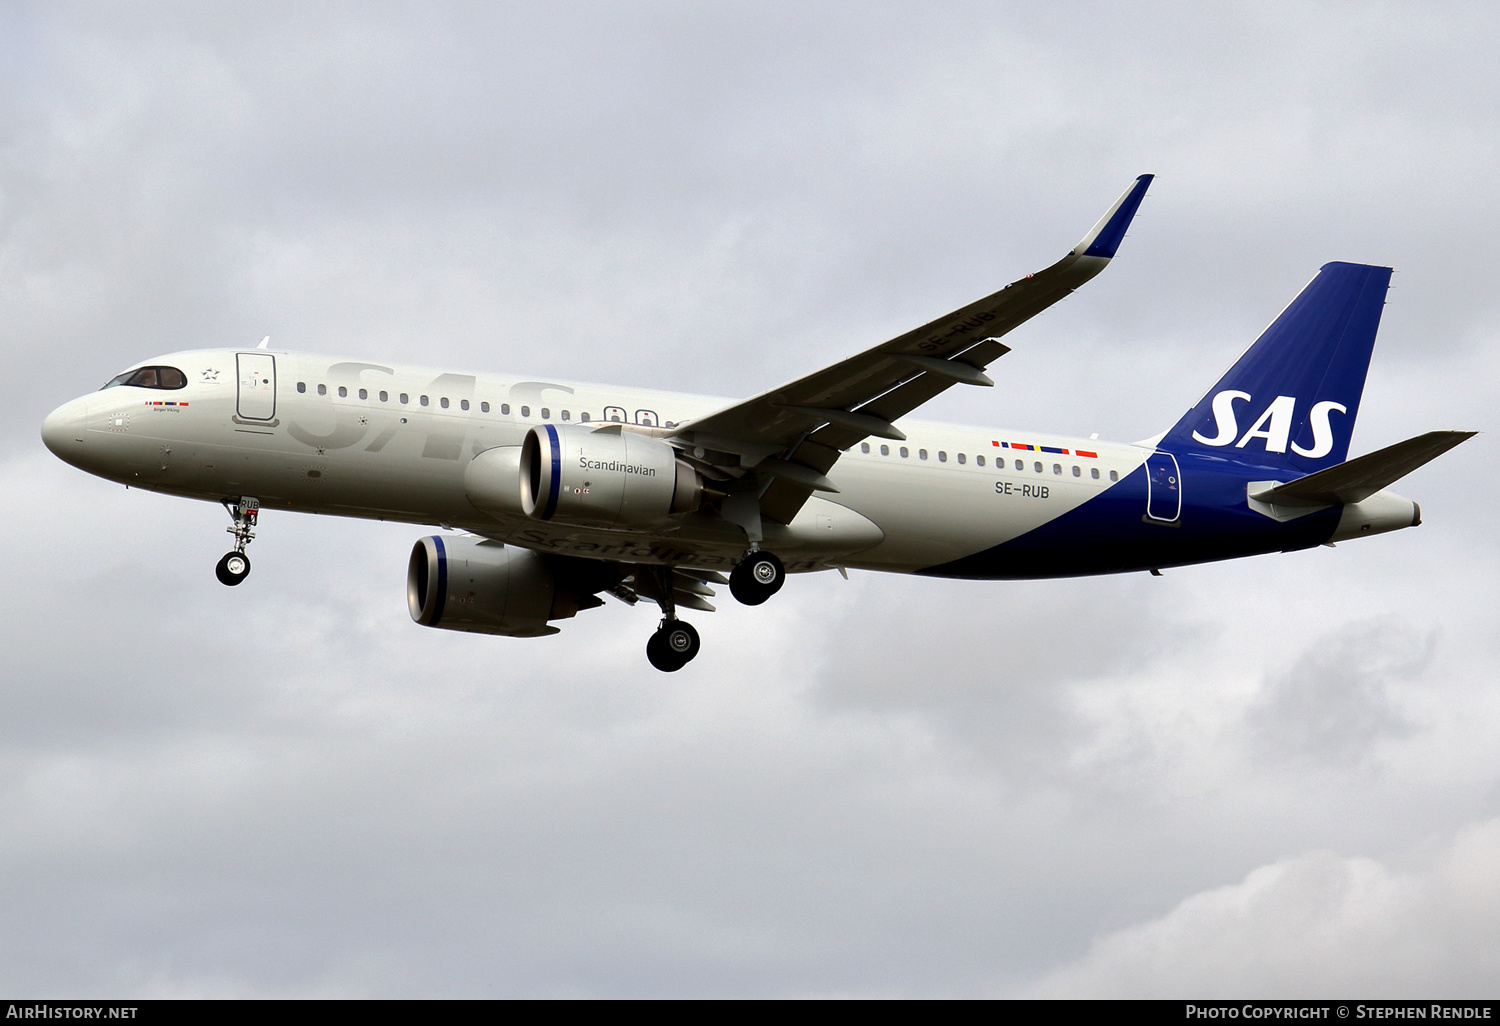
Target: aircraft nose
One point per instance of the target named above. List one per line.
(63, 430)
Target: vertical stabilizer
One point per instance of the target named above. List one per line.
(1291, 399)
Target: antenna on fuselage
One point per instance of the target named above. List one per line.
(264, 342)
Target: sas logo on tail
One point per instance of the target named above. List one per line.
(1274, 426)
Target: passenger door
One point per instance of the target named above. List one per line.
(257, 386)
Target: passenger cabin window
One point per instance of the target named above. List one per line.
(1114, 475)
(150, 377)
(979, 460)
(1094, 473)
(566, 416)
(322, 389)
(405, 398)
(905, 452)
(864, 446)
(921, 454)
(546, 413)
(443, 402)
(385, 396)
(583, 418)
(343, 392)
(942, 456)
(885, 450)
(526, 411)
(484, 407)
(1077, 472)
(364, 393)
(961, 459)
(301, 386)
(463, 404)
(614, 413)
(1057, 468)
(1020, 465)
(422, 399)
(505, 409)
(1038, 468)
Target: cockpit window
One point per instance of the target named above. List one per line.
(151, 377)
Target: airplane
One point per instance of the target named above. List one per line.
(556, 493)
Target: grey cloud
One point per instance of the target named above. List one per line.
(1342, 697)
(997, 668)
(1314, 926)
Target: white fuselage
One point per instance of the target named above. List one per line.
(353, 438)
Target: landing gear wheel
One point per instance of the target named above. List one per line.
(233, 568)
(759, 576)
(673, 646)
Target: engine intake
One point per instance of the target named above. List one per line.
(603, 477)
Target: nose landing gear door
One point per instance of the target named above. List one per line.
(1163, 487)
(257, 387)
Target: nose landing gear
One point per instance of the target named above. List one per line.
(235, 566)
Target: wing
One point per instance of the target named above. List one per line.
(791, 436)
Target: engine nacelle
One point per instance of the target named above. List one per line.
(603, 477)
(472, 584)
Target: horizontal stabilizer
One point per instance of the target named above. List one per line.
(1359, 478)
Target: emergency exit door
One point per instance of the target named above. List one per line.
(257, 386)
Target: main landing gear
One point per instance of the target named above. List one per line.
(235, 566)
(675, 642)
(758, 576)
(673, 646)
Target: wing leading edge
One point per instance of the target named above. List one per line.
(791, 436)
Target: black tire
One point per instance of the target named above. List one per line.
(660, 656)
(233, 568)
(759, 576)
(673, 646)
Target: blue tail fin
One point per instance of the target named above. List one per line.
(1289, 403)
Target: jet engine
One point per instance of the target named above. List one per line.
(603, 477)
(472, 584)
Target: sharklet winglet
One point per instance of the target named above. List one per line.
(1104, 240)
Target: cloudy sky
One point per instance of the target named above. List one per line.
(1277, 776)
